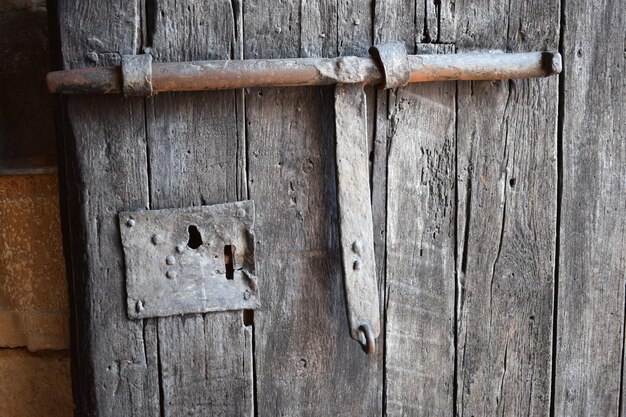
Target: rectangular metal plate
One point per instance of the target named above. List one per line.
(189, 260)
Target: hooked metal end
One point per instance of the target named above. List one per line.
(366, 339)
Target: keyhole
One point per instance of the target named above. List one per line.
(195, 238)
(229, 255)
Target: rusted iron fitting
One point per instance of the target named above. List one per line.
(137, 75)
(394, 62)
(389, 66)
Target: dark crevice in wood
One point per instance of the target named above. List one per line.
(160, 371)
(500, 396)
(150, 16)
(384, 257)
(147, 105)
(559, 202)
(233, 41)
(455, 370)
(620, 397)
(426, 38)
(468, 215)
(255, 402)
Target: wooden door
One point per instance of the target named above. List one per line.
(501, 276)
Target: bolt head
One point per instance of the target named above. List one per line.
(241, 213)
(180, 248)
(357, 265)
(357, 247)
(130, 222)
(157, 239)
(93, 56)
(171, 274)
(170, 260)
(246, 295)
(139, 306)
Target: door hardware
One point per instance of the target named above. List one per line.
(389, 67)
(189, 260)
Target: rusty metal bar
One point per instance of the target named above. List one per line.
(295, 72)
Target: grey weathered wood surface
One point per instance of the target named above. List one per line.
(483, 260)
(592, 250)
(194, 145)
(506, 217)
(303, 352)
(116, 358)
(420, 227)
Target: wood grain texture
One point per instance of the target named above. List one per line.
(106, 172)
(117, 357)
(592, 256)
(304, 354)
(420, 248)
(194, 158)
(506, 234)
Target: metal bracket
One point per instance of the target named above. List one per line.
(356, 228)
(189, 260)
(137, 75)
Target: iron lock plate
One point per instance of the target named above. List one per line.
(189, 260)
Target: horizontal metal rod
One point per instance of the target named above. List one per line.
(296, 72)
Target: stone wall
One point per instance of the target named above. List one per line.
(34, 330)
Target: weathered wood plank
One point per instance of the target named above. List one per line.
(592, 250)
(440, 23)
(304, 355)
(421, 248)
(195, 143)
(506, 182)
(105, 154)
(396, 21)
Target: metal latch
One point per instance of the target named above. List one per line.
(389, 66)
(189, 260)
(353, 195)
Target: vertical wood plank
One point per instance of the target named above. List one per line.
(506, 182)
(106, 170)
(421, 248)
(440, 22)
(195, 143)
(592, 261)
(306, 363)
(416, 126)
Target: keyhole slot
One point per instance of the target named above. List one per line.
(195, 238)
(229, 261)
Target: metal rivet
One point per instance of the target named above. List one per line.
(157, 239)
(246, 295)
(171, 274)
(357, 247)
(356, 265)
(307, 166)
(139, 306)
(93, 56)
(170, 260)
(130, 222)
(241, 213)
(180, 248)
